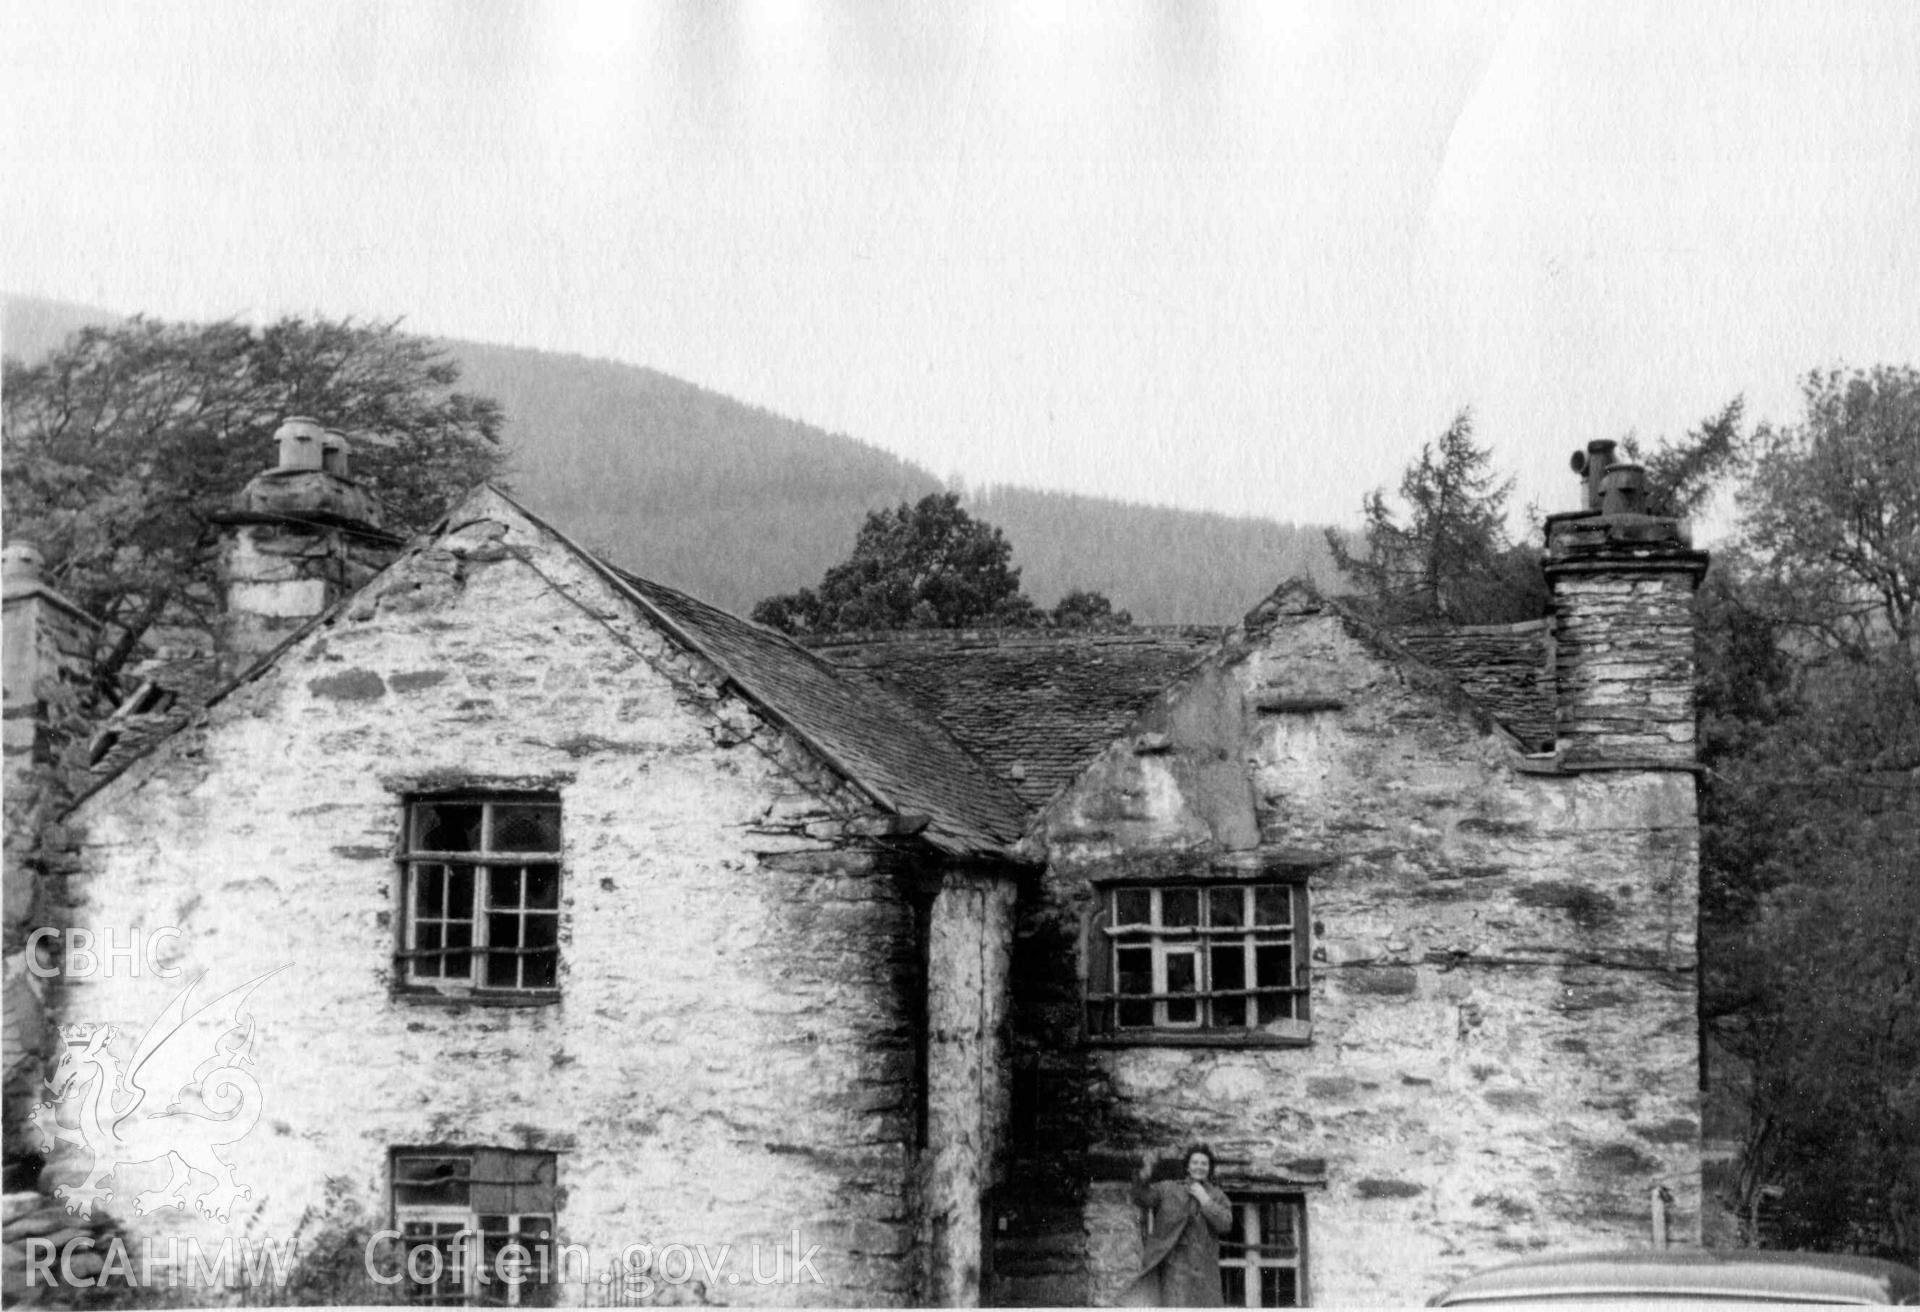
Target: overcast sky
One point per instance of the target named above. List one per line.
(1244, 257)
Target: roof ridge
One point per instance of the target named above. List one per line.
(956, 823)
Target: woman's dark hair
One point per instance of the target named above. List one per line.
(1205, 1150)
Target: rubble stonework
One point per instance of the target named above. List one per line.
(1502, 1053)
(49, 651)
(828, 927)
(730, 1059)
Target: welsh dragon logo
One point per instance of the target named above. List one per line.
(181, 1096)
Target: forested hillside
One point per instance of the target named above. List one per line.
(734, 503)
(1166, 566)
(678, 483)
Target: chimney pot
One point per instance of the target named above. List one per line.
(21, 563)
(1599, 459)
(1624, 490)
(333, 453)
(302, 443)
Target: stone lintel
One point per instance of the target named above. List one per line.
(1200, 867)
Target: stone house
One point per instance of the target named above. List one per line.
(579, 915)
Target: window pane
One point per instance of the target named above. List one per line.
(426, 938)
(1233, 1286)
(447, 826)
(1226, 906)
(460, 892)
(541, 970)
(1182, 972)
(431, 1181)
(1273, 904)
(1132, 906)
(459, 933)
(1277, 1288)
(1183, 969)
(503, 930)
(543, 886)
(540, 931)
(525, 828)
(440, 1236)
(1275, 1007)
(1229, 962)
(503, 971)
(429, 889)
(1180, 906)
(1273, 965)
(1276, 1228)
(1229, 965)
(1133, 973)
(503, 886)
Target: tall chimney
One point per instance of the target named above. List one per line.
(301, 536)
(1622, 583)
(49, 644)
(49, 652)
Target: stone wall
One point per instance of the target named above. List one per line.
(969, 937)
(49, 650)
(1503, 1040)
(732, 1058)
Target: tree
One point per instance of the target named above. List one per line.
(1683, 476)
(1087, 610)
(1832, 514)
(1810, 810)
(123, 445)
(1452, 560)
(926, 566)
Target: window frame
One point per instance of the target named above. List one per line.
(460, 1262)
(413, 860)
(1105, 939)
(1236, 1255)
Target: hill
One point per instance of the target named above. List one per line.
(734, 503)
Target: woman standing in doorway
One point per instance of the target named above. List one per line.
(1188, 1216)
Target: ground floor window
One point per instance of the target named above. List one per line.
(477, 1225)
(1263, 1258)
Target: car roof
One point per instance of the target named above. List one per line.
(1740, 1275)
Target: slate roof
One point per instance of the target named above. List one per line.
(971, 729)
(878, 741)
(1506, 668)
(166, 694)
(1036, 706)
(873, 736)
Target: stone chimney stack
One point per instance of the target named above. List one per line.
(49, 651)
(49, 645)
(1623, 583)
(301, 536)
